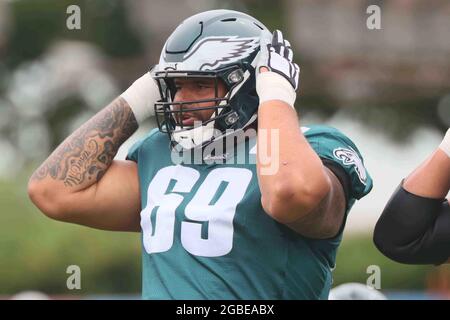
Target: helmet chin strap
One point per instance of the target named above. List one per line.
(191, 138)
(195, 137)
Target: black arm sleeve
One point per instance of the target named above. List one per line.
(414, 229)
(343, 177)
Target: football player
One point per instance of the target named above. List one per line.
(414, 227)
(265, 221)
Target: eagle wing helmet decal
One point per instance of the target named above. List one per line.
(212, 52)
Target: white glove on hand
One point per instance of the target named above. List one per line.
(445, 144)
(276, 55)
(141, 97)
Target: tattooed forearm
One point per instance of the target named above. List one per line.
(84, 156)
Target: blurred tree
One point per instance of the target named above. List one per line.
(268, 13)
(36, 24)
(106, 24)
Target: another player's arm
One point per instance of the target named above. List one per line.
(448, 261)
(432, 178)
(81, 183)
(414, 227)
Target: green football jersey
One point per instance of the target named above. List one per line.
(205, 234)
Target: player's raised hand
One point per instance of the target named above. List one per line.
(277, 55)
(142, 95)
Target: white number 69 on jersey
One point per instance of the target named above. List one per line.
(218, 213)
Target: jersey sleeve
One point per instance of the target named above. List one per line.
(333, 146)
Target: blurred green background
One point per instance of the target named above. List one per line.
(389, 89)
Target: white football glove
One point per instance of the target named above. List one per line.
(276, 55)
(141, 97)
